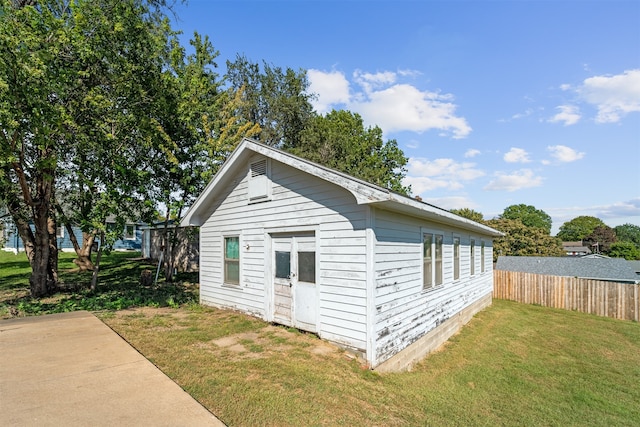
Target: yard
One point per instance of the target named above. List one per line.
(513, 364)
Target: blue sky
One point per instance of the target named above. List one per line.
(494, 102)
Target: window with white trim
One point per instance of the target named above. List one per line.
(432, 260)
(130, 232)
(232, 260)
(472, 260)
(60, 231)
(456, 258)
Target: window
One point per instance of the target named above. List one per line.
(456, 258)
(482, 257)
(439, 239)
(427, 260)
(307, 267)
(130, 232)
(432, 266)
(283, 264)
(232, 260)
(472, 261)
(60, 232)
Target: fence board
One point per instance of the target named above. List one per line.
(609, 299)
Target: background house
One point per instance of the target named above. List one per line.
(575, 248)
(131, 238)
(292, 242)
(187, 250)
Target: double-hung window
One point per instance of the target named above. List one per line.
(456, 258)
(432, 260)
(472, 260)
(232, 260)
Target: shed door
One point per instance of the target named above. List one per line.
(294, 281)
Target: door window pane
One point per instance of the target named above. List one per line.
(283, 264)
(307, 267)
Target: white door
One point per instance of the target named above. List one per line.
(294, 280)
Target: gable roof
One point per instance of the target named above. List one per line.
(609, 269)
(362, 191)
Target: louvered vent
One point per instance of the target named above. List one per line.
(259, 168)
(259, 182)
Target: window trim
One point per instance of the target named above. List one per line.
(225, 260)
(437, 260)
(456, 243)
(472, 256)
(482, 256)
(128, 236)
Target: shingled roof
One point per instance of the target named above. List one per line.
(609, 269)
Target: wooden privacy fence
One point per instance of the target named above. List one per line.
(610, 299)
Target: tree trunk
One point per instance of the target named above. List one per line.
(96, 267)
(43, 280)
(83, 253)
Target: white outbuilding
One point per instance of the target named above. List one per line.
(385, 276)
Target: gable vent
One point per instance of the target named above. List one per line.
(259, 168)
(259, 182)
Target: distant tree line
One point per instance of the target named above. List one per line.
(528, 233)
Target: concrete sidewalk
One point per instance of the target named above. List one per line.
(71, 369)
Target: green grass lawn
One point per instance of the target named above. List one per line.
(118, 286)
(513, 364)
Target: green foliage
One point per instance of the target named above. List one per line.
(628, 233)
(340, 141)
(521, 240)
(529, 216)
(119, 289)
(469, 214)
(579, 228)
(275, 99)
(626, 250)
(601, 238)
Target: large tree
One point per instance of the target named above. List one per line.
(340, 141)
(523, 240)
(600, 239)
(469, 214)
(628, 233)
(529, 215)
(78, 117)
(276, 99)
(579, 228)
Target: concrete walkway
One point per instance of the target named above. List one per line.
(71, 369)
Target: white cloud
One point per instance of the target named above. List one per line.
(453, 202)
(517, 180)
(331, 88)
(613, 96)
(381, 100)
(564, 154)
(569, 115)
(427, 175)
(472, 152)
(517, 155)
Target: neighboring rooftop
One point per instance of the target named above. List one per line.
(609, 269)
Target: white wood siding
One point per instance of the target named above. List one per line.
(297, 200)
(403, 310)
